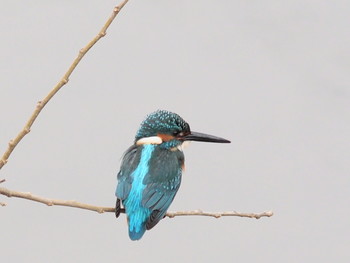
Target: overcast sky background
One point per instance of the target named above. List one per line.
(271, 76)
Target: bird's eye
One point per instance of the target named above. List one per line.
(178, 134)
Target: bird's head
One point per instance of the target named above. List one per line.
(169, 130)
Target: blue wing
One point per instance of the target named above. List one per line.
(162, 183)
(130, 160)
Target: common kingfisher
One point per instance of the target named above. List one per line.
(151, 169)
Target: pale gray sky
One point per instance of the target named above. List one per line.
(272, 76)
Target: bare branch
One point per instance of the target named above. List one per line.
(41, 104)
(99, 209)
(51, 202)
(219, 214)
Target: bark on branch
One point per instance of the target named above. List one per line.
(100, 209)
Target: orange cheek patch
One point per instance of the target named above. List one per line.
(165, 137)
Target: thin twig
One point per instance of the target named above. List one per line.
(2, 181)
(99, 209)
(219, 214)
(41, 104)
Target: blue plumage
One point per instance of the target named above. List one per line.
(137, 213)
(150, 174)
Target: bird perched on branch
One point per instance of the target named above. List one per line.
(151, 170)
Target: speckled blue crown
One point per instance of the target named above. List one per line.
(162, 121)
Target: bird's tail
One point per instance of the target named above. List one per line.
(137, 234)
(137, 225)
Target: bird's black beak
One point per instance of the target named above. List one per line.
(201, 137)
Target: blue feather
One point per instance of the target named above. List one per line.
(138, 214)
(137, 235)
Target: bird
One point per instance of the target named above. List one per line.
(151, 169)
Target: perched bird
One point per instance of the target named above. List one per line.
(150, 173)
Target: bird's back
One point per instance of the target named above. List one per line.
(148, 181)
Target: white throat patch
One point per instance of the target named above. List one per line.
(185, 144)
(180, 147)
